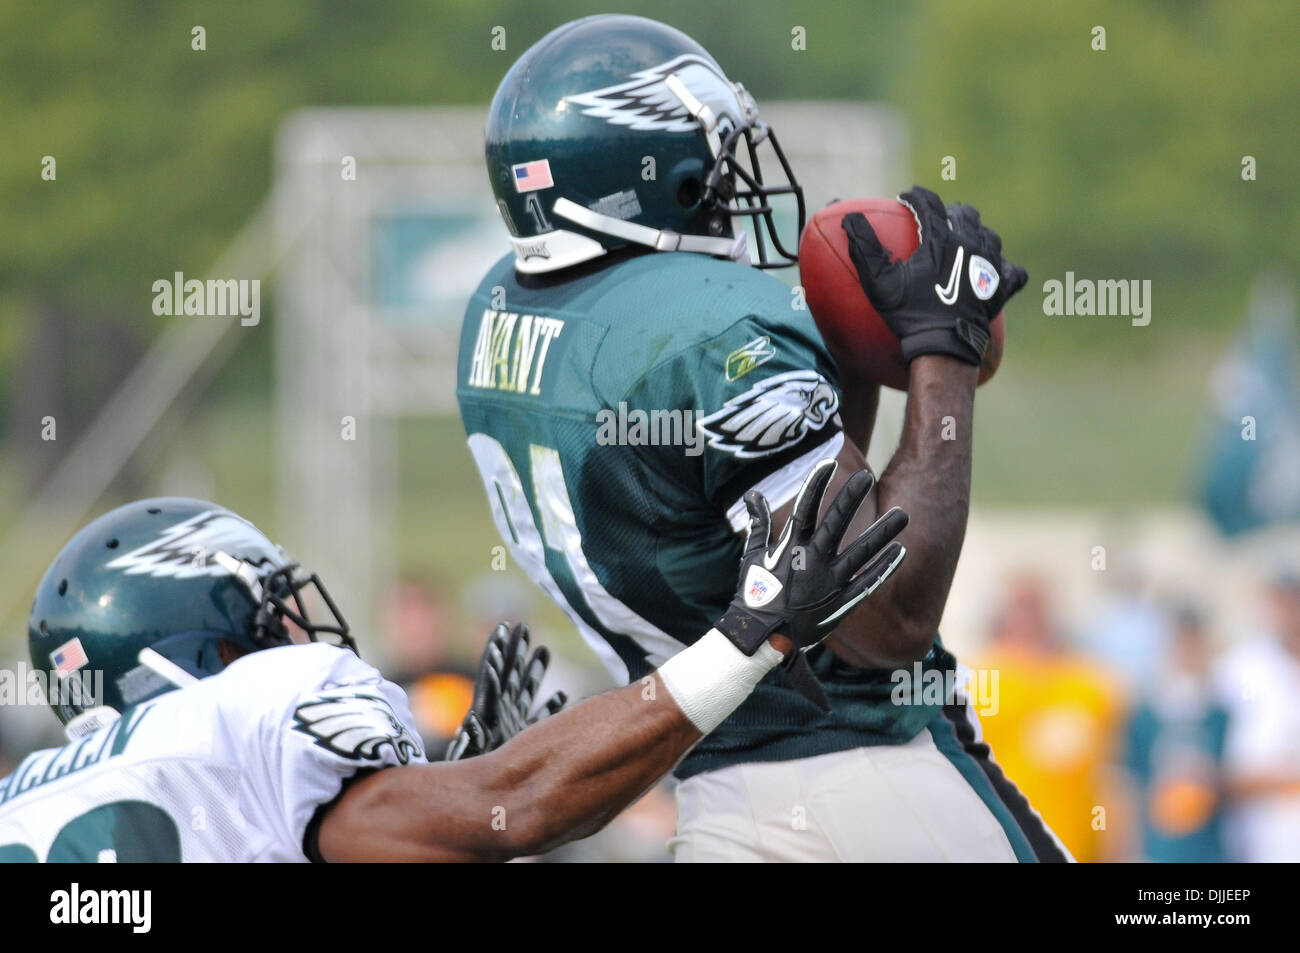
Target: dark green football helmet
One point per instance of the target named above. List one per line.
(617, 130)
(144, 596)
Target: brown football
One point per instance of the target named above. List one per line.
(856, 335)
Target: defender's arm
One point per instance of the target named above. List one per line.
(562, 779)
(568, 775)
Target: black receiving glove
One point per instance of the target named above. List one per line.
(504, 690)
(942, 299)
(803, 586)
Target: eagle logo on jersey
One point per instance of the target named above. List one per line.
(773, 415)
(645, 103)
(356, 725)
(183, 551)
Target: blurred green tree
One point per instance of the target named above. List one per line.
(1117, 163)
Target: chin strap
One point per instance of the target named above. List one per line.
(92, 719)
(660, 239)
(165, 668)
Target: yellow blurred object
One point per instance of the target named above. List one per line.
(1052, 733)
(439, 702)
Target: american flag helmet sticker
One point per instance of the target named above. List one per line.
(68, 658)
(531, 176)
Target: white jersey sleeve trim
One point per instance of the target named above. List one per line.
(781, 486)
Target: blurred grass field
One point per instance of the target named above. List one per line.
(1087, 431)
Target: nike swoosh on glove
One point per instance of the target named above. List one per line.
(943, 298)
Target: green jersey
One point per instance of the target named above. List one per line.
(618, 411)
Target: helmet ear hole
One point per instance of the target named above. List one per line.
(688, 193)
(63, 589)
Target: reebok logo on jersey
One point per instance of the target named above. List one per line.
(749, 356)
(773, 415)
(357, 725)
(531, 249)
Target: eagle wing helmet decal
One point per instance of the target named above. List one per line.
(645, 103)
(183, 551)
(773, 415)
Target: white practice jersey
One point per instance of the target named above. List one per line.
(231, 768)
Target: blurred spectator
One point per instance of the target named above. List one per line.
(1174, 751)
(417, 631)
(495, 597)
(1130, 631)
(1258, 683)
(1053, 719)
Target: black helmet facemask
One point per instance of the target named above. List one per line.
(735, 186)
(279, 595)
(741, 192)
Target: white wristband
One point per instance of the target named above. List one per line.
(710, 679)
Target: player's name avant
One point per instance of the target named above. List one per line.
(510, 351)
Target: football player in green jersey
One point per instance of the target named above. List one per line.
(630, 372)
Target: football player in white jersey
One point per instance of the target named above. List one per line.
(201, 730)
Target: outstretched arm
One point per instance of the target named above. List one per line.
(562, 779)
(567, 776)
